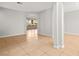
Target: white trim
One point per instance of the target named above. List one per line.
(11, 35)
(71, 33)
(45, 34)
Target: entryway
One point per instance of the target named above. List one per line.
(32, 32)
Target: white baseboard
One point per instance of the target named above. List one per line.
(12, 35)
(44, 34)
(71, 33)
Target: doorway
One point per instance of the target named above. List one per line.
(32, 32)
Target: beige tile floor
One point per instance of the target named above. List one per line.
(32, 34)
(20, 46)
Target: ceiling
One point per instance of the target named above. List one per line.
(38, 6)
(71, 6)
(27, 6)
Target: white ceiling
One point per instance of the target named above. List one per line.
(27, 6)
(71, 6)
(38, 6)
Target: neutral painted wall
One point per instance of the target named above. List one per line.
(72, 22)
(11, 22)
(45, 22)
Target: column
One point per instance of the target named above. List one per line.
(58, 25)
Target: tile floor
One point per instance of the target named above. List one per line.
(19, 46)
(32, 34)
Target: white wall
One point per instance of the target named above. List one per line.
(45, 22)
(11, 22)
(72, 22)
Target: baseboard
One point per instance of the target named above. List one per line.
(71, 33)
(12, 35)
(44, 35)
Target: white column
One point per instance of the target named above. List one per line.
(58, 25)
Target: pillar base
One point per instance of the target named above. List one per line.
(58, 46)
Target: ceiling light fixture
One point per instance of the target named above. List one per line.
(19, 3)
